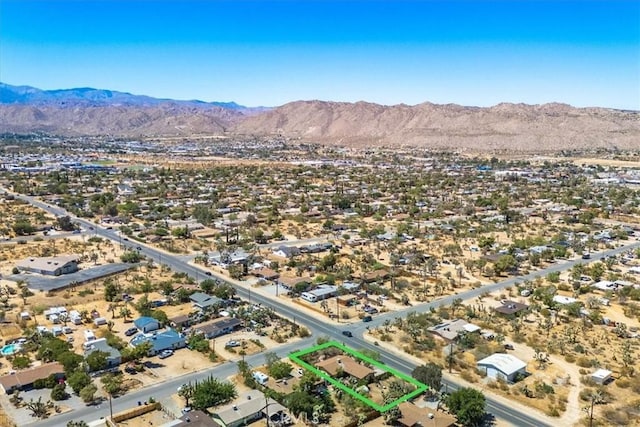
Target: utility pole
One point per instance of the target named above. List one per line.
(110, 408)
(450, 356)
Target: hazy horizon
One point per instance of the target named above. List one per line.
(269, 53)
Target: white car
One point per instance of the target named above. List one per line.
(165, 353)
(232, 343)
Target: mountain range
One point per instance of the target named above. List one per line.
(513, 127)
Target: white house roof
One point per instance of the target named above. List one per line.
(505, 363)
(47, 263)
(563, 300)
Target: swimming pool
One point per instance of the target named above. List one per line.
(10, 349)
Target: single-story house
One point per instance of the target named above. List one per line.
(114, 357)
(24, 379)
(291, 282)
(320, 293)
(502, 366)
(193, 419)
(286, 251)
(168, 339)
(50, 266)
(413, 416)
(246, 408)
(601, 376)
(217, 327)
(316, 248)
(204, 301)
(265, 273)
(374, 276)
(450, 330)
(511, 308)
(146, 324)
(180, 321)
(346, 364)
(562, 300)
(239, 256)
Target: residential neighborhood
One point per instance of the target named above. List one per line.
(124, 272)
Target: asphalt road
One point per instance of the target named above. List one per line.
(315, 324)
(162, 390)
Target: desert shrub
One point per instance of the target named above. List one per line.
(553, 411)
(616, 417)
(468, 376)
(570, 358)
(303, 332)
(623, 382)
(585, 362)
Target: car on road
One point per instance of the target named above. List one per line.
(508, 346)
(208, 273)
(165, 353)
(232, 343)
(367, 319)
(347, 334)
(131, 331)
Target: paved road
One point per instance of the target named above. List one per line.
(316, 325)
(164, 389)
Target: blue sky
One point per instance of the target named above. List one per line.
(470, 52)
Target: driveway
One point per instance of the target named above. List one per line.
(22, 416)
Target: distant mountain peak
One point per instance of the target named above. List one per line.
(29, 95)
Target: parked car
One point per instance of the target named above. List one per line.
(508, 347)
(367, 319)
(131, 331)
(165, 353)
(347, 334)
(232, 343)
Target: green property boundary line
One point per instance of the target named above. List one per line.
(420, 388)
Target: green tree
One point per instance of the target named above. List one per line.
(97, 360)
(212, 392)
(65, 223)
(59, 392)
(505, 263)
(78, 380)
(88, 393)
(112, 383)
(208, 285)
(70, 361)
(77, 424)
(429, 374)
(131, 257)
(280, 370)
(186, 392)
(468, 405)
(110, 291)
(23, 227)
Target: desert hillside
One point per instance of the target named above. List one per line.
(116, 120)
(514, 127)
(504, 126)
